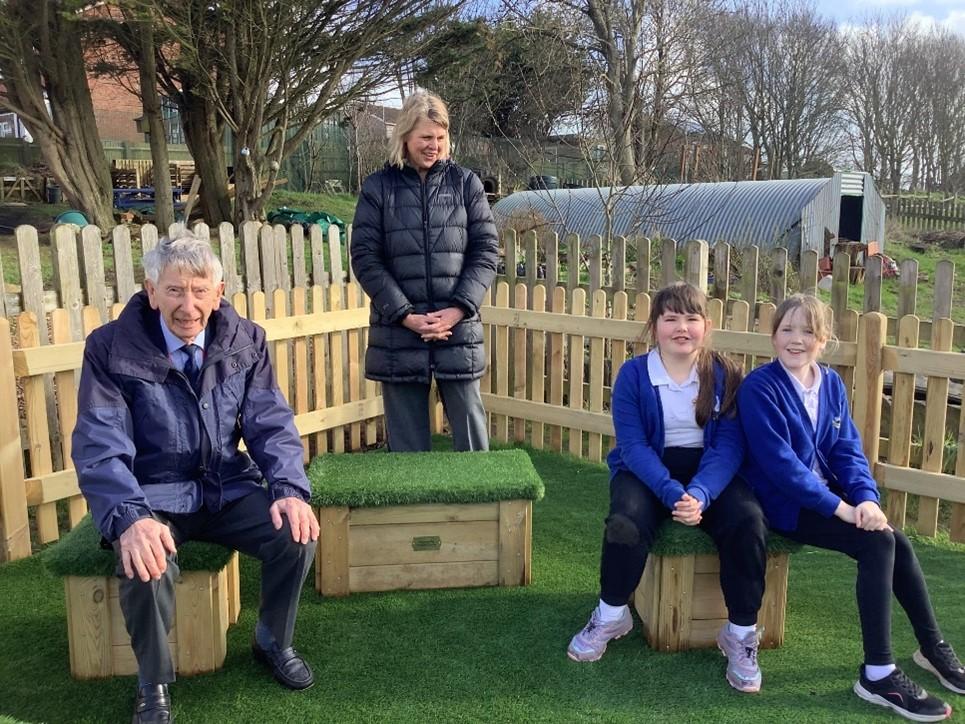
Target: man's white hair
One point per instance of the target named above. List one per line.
(185, 251)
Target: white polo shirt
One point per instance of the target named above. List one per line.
(811, 399)
(679, 415)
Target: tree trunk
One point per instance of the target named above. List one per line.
(151, 101)
(205, 139)
(43, 57)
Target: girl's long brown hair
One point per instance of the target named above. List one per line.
(683, 298)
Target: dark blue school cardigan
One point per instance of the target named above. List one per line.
(781, 447)
(638, 421)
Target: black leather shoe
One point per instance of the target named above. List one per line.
(153, 705)
(287, 665)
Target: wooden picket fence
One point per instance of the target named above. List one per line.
(750, 274)
(554, 359)
(261, 259)
(923, 213)
(316, 337)
(553, 362)
(265, 257)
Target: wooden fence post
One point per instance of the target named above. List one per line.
(902, 420)
(531, 258)
(869, 382)
(574, 262)
(501, 334)
(14, 529)
(668, 262)
(249, 236)
(697, 265)
(618, 264)
(750, 261)
(597, 348)
(552, 253)
(642, 284)
(933, 437)
(808, 276)
(722, 271)
(595, 262)
(872, 284)
(519, 355)
(778, 275)
(841, 279)
(123, 264)
(577, 356)
(510, 257)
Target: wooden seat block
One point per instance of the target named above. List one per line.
(423, 546)
(681, 605)
(423, 520)
(206, 603)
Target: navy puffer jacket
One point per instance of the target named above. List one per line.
(420, 247)
(145, 440)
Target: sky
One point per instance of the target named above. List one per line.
(948, 13)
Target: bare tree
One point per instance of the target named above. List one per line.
(884, 95)
(793, 89)
(44, 77)
(938, 139)
(285, 65)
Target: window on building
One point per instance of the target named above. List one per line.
(6, 129)
(173, 131)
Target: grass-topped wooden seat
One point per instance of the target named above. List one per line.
(679, 598)
(207, 601)
(423, 520)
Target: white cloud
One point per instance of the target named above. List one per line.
(955, 21)
(922, 21)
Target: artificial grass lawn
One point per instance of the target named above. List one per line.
(488, 654)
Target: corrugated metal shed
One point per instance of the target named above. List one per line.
(743, 213)
(873, 216)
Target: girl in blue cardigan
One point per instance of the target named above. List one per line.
(806, 464)
(678, 448)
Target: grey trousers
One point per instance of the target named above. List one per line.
(407, 415)
(244, 525)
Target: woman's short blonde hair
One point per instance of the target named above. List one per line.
(421, 105)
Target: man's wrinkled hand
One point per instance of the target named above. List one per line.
(145, 546)
(300, 516)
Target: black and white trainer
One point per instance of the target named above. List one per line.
(902, 695)
(943, 663)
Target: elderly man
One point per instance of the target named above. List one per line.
(166, 393)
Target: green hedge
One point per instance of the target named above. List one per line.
(79, 554)
(377, 478)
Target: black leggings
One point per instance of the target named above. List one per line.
(734, 521)
(886, 564)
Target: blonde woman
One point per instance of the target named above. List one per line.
(424, 249)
